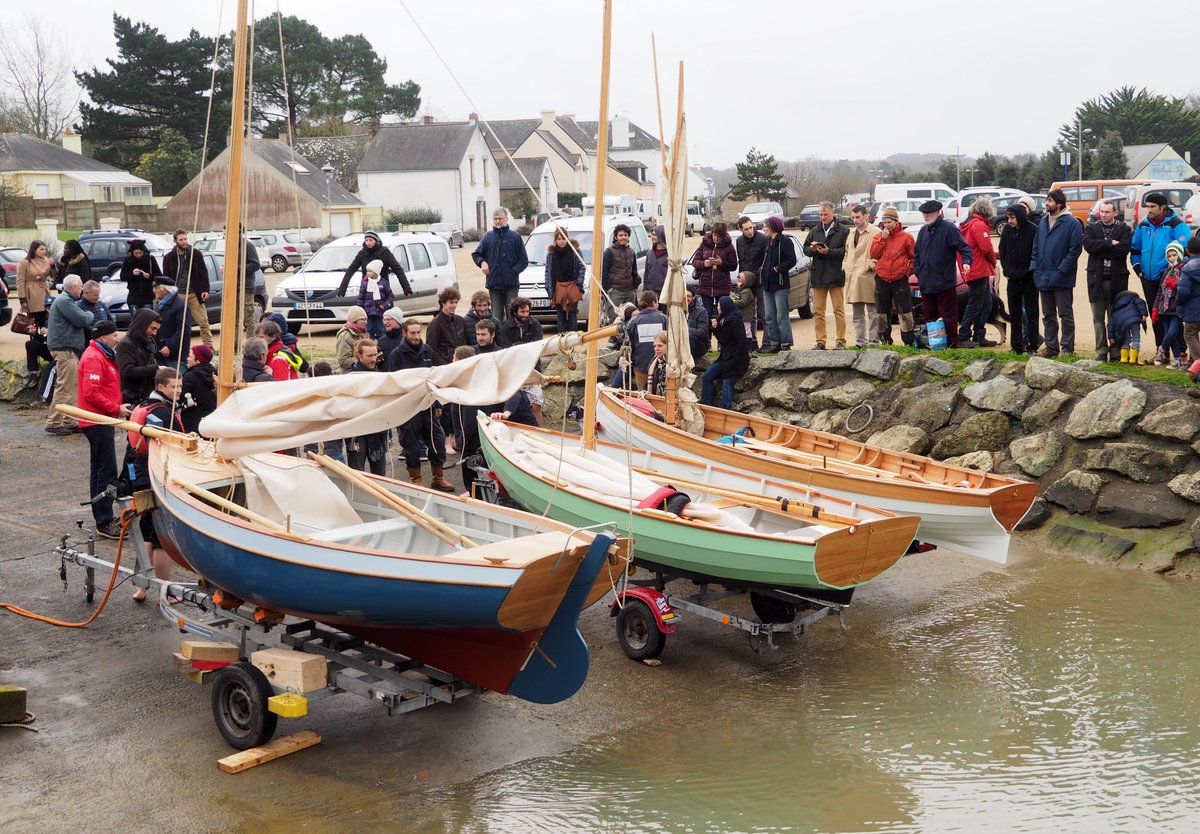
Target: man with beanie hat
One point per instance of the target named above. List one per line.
(393, 334)
(100, 392)
(199, 396)
(892, 262)
(1148, 249)
(175, 335)
(375, 296)
(373, 249)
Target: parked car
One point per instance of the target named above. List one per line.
(874, 209)
(280, 249)
(115, 293)
(759, 212)
(9, 256)
(1119, 202)
(5, 311)
(909, 210)
(309, 295)
(958, 208)
(1177, 194)
(579, 229)
(448, 232)
(106, 249)
(1002, 204)
(810, 217)
(799, 293)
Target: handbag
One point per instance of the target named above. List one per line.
(24, 324)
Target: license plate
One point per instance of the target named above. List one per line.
(539, 303)
(309, 305)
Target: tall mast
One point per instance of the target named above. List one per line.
(591, 364)
(232, 295)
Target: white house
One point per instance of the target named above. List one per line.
(517, 176)
(48, 171)
(445, 166)
(1157, 162)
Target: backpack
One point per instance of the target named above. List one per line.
(137, 441)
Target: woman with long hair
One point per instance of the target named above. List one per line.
(34, 272)
(74, 262)
(564, 280)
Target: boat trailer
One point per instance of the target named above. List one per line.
(645, 613)
(246, 705)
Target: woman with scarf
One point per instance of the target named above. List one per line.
(354, 329)
(376, 297)
(564, 280)
(138, 271)
(74, 262)
(714, 262)
(734, 358)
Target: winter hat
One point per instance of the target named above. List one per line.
(137, 243)
(355, 313)
(775, 223)
(1176, 247)
(375, 266)
(1157, 198)
(1029, 203)
(892, 212)
(164, 281)
(930, 206)
(394, 314)
(203, 353)
(103, 328)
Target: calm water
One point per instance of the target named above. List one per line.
(1054, 697)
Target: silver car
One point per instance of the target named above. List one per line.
(448, 232)
(281, 249)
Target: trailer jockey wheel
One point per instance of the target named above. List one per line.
(771, 610)
(638, 633)
(239, 705)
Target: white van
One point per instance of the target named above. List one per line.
(887, 192)
(959, 208)
(694, 219)
(579, 229)
(309, 295)
(613, 204)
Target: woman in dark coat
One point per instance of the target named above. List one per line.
(713, 264)
(138, 271)
(199, 396)
(564, 280)
(74, 262)
(734, 358)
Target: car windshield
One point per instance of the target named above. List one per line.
(539, 242)
(759, 208)
(332, 258)
(440, 227)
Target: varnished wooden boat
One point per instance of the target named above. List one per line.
(962, 509)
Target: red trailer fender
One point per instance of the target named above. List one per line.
(664, 615)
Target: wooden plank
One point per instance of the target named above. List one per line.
(268, 752)
(287, 669)
(208, 650)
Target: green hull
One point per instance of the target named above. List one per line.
(675, 545)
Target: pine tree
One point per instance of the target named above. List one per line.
(758, 178)
(1110, 161)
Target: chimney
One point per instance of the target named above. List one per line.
(72, 141)
(547, 119)
(570, 116)
(472, 117)
(427, 119)
(620, 134)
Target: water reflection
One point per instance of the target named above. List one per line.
(1053, 696)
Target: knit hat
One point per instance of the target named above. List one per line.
(356, 313)
(1029, 203)
(1176, 247)
(203, 353)
(775, 223)
(164, 281)
(1157, 198)
(892, 212)
(375, 266)
(137, 243)
(394, 314)
(103, 328)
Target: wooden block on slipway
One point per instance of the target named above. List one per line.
(295, 671)
(12, 704)
(208, 650)
(268, 752)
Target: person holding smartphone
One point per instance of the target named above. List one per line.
(826, 245)
(138, 272)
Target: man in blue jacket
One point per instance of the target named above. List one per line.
(501, 256)
(1056, 249)
(935, 263)
(1149, 249)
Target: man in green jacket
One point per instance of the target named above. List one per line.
(66, 340)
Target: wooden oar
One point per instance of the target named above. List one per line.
(236, 509)
(185, 441)
(418, 517)
(812, 459)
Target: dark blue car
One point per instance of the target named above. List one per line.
(114, 293)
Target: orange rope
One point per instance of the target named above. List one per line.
(127, 517)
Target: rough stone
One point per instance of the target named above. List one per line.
(1186, 486)
(1042, 413)
(813, 382)
(1013, 369)
(1120, 505)
(1090, 544)
(1086, 364)
(938, 367)
(831, 421)
(843, 396)
(1043, 373)
(1076, 491)
(811, 360)
(1174, 420)
(987, 430)
(1037, 515)
(999, 394)
(780, 390)
(1037, 453)
(1136, 462)
(901, 439)
(980, 461)
(880, 364)
(1106, 412)
(1082, 383)
(1196, 533)
(910, 366)
(14, 377)
(981, 369)
(928, 406)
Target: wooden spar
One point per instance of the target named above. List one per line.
(592, 362)
(429, 523)
(236, 509)
(672, 382)
(233, 212)
(187, 442)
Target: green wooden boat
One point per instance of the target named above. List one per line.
(736, 536)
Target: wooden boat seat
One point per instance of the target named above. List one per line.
(369, 528)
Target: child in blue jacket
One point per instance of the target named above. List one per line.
(1128, 315)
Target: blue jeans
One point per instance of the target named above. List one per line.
(1172, 336)
(500, 301)
(375, 328)
(707, 386)
(779, 326)
(567, 322)
(1132, 339)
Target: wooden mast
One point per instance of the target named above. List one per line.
(672, 382)
(592, 362)
(232, 296)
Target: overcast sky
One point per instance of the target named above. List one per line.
(832, 80)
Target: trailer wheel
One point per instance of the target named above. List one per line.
(638, 633)
(239, 705)
(771, 610)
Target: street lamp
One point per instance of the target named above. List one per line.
(328, 170)
(971, 171)
(1080, 130)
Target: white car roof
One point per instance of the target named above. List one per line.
(585, 224)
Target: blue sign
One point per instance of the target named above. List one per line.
(1169, 169)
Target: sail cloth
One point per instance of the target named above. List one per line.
(283, 415)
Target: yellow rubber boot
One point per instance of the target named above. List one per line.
(1133, 359)
(1124, 356)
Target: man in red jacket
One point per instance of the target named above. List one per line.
(892, 260)
(100, 392)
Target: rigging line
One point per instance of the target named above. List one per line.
(291, 140)
(212, 87)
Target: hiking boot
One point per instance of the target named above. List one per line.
(840, 344)
(1046, 353)
(987, 343)
(967, 343)
(1160, 358)
(414, 475)
(439, 482)
(819, 346)
(770, 348)
(785, 347)
(108, 531)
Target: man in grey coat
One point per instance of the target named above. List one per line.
(66, 340)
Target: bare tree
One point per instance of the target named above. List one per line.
(39, 90)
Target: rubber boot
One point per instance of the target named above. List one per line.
(1133, 356)
(439, 482)
(908, 338)
(1124, 356)
(414, 475)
